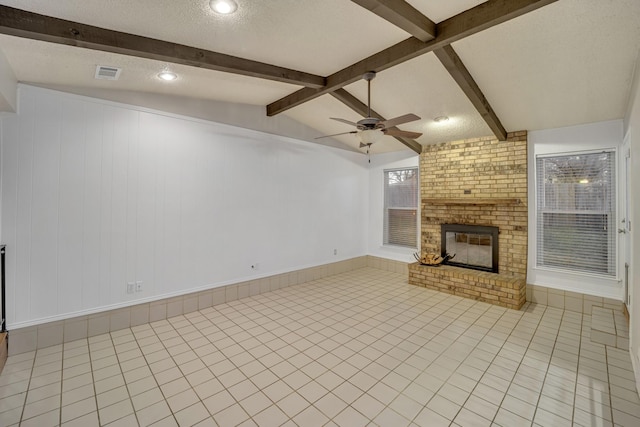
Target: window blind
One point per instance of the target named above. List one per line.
(576, 212)
(401, 188)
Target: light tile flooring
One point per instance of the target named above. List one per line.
(360, 348)
(609, 327)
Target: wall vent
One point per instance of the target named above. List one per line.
(107, 73)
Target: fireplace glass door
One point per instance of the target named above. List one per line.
(473, 246)
(471, 249)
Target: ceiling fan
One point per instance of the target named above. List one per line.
(371, 129)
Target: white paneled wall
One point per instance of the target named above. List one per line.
(97, 194)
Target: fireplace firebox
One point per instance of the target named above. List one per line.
(474, 246)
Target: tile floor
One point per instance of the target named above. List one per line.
(609, 327)
(357, 349)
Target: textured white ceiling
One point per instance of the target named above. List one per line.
(438, 11)
(54, 64)
(567, 63)
(318, 37)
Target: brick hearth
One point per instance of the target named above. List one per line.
(499, 289)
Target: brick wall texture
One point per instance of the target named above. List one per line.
(490, 169)
(483, 168)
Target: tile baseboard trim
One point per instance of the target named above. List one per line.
(30, 338)
(3, 350)
(386, 264)
(571, 301)
(35, 337)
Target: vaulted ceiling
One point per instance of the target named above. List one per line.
(491, 67)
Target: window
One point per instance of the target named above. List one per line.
(576, 200)
(401, 207)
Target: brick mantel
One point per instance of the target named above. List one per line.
(473, 201)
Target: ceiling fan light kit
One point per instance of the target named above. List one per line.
(370, 136)
(371, 129)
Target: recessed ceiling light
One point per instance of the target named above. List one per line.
(441, 119)
(167, 75)
(224, 7)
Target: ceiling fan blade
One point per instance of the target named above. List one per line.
(344, 121)
(402, 133)
(336, 134)
(399, 120)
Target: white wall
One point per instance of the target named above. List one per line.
(97, 194)
(632, 129)
(594, 136)
(380, 162)
(242, 115)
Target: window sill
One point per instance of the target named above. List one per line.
(585, 283)
(397, 248)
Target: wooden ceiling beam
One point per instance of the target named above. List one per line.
(361, 108)
(20, 23)
(402, 15)
(469, 22)
(447, 56)
(452, 62)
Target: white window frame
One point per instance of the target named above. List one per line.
(385, 217)
(581, 138)
(613, 248)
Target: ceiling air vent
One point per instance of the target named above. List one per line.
(107, 73)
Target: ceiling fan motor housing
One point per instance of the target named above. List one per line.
(369, 75)
(371, 129)
(368, 123)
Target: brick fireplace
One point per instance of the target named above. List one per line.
(476, 182)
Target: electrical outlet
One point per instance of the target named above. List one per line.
(130, 287)
(139, 286)
(335, 252)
